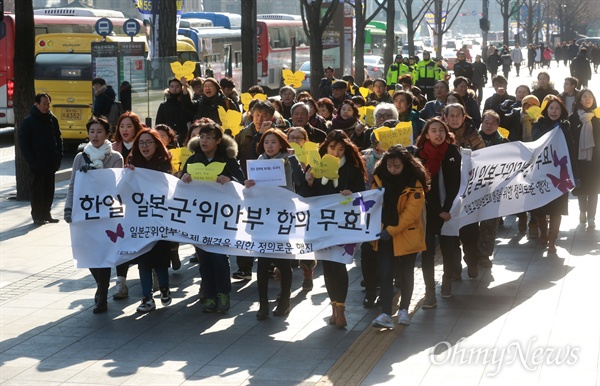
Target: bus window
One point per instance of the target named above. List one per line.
(237, 59)
(63, 66)
(285, 37)
(274, 39)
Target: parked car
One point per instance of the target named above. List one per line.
(375, 66)
(305, 68)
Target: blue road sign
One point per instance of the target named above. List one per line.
(104, 27)
(131, 27)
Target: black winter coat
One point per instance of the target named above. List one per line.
(172, 113)
(103, 100)
(588, 170)
(41, 142)
(206, 107)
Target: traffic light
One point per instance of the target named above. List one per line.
(484, 24)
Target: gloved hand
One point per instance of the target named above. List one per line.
(85, 167)
(67, 215)
(384, 235)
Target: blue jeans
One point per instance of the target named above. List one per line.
(214, 271)
(386, 262)
(146, 279)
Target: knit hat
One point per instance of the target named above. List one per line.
(213, 81)
(531, 99)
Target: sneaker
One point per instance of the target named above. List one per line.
(403, 317)
(485, 262)
(242, 275)
(165, 296)
(194, 258)
(209, 306)
(446, 289)
(147, 305)
(430, 301)
(122, 292)
(383, 321)
(223, 303)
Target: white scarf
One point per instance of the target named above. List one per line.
(128, 145)
(586, 137)
(324, 180)
(97, 154)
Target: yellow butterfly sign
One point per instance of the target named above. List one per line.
(210, 172)
(366, 115)
(303, 152)
(246, 98)
(364, 92)
(231, 120)
(597, 112)
(324, 167)
(178, 157)
(186, 69)
(505, 133)
(293, 79)
(389, 136)
(534, 112)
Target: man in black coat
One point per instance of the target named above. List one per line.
(462, 67)
(172, 111)
(581, 68)
(104, 96)
(41, 144)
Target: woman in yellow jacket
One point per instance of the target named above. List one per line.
(405, 181)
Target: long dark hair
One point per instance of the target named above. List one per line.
(161, 160)
(283, 142)
(350, 150)
(564, 113)
(137, 124)
(412, 166)
(578, 105)
(422, 138)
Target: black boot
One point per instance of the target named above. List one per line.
(263, 311)
(283, 308)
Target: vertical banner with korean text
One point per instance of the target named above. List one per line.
(511, 178)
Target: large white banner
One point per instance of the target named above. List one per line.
(118, 214)
(510, 178)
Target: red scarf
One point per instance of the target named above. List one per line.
(433, 156)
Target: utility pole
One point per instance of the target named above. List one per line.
(484, 24)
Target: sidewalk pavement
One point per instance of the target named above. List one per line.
(532, 319)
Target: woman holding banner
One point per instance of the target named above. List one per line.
(586, 135)
(351, 178)
(97, 154)
(548, 216)
(212, 146)
(442, 159)
(148, 152)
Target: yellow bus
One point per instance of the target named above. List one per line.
(63, 69)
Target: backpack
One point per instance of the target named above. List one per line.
(116, 110)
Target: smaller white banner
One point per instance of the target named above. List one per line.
(267, 172)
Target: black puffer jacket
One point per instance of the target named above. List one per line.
(41, 142)
(172, 114)
(103, 100)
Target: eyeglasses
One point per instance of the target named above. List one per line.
(383, 115)
(206, 137)
(146, 143)
(296, 138)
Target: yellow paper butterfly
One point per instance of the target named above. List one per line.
(293, 79)
(391, 92)
(302, 152)
(535, 112)
(210, 172)
(324, 167)
(366, 115)
(597, 112)
(505, 133)
(179, 156)
(401, 134)
(247, 98)
(186, 69)
(364, 91)
(346, 201)
(231, 120)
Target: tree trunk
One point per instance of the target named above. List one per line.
(505, 17)
(167, 33)
(390, 36)
(24, 88)
(249, 54)
(410, 30)
(359, 43)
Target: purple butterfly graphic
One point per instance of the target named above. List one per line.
(563, 183)
(348, 249)
(113, 236)
(364, 205)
